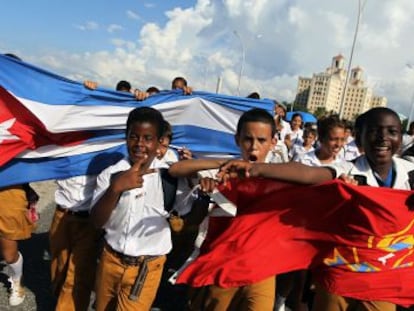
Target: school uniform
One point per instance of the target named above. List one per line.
(311, 159)
(73, 243)
(14, 223)
(169, 294)
(278, 154)
(169, 157)
(137, 238)
(298, 151)
(256, 296)
(350, 151)
(296, 137)
(286, 130)
(360, 169)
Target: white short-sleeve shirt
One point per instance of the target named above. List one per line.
(311, 159)
(361, 167)
(138, 224)
(75, 193)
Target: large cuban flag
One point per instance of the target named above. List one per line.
(52, 127)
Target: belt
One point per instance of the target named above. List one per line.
(126, 259)
(83, 214)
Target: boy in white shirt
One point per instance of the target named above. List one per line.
(255, 138)
(128, 203)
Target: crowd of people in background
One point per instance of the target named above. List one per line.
(125, 232)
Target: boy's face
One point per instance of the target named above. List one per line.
(142, 141)
(334, 141)
(308, 139)
(255, 141)
(381, 138)
(178, 85)
(163, 146)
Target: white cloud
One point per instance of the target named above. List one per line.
(297, 38)
(90, 25)
(114, 28)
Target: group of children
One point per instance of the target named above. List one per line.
(378, 135)
(123, 209)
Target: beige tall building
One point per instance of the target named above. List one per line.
(324, 91)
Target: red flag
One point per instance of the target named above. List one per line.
(359, 238)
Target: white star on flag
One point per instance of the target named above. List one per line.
(4, 133)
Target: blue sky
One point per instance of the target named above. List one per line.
(151, 42)
(78, 25)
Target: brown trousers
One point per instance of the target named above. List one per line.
(257, 296)
(325, 301)
(114, 281)
(73, 247)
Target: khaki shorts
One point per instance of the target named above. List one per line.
(14, 223)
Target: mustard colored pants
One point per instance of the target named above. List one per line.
(254, 297)
(73, 247)
(114, 281)
(325, 301)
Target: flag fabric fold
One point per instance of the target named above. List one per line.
(59, 126)
(359, 239)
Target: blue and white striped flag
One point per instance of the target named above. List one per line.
(52, 127)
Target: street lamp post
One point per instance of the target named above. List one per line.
(411, 113)
(412, 103)
(242, 60)
(360, 9)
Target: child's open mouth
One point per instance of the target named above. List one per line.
(252, 158)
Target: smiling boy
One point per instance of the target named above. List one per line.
(378, 132)
(128, 204)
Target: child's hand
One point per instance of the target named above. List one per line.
(140, 95)
(235, 168)
(91, 85)
(185, 154)
(348, 179)
(132, 178)
(188, 90)
(207, 184)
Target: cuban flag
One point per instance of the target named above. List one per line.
(52, 127)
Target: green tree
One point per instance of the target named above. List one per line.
(320, 112)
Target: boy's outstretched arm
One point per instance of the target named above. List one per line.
(292, 171)
(189, 167)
